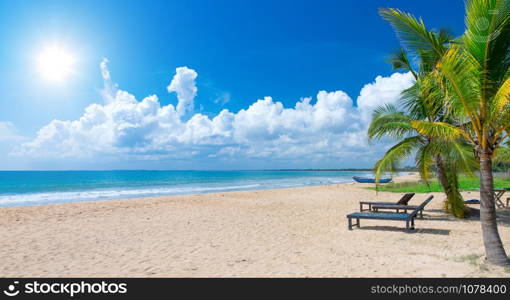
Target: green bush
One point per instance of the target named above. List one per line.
(466, 184)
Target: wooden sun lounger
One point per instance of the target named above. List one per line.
(397, 208)
(391, 216)
(498, 194)
(403, 201)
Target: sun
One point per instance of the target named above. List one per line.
(55, 63)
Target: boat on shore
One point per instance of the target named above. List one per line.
(370, 180)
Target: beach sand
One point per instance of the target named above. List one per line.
(297, 232)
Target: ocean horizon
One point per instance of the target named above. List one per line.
(24, 188)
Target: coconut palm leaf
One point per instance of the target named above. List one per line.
(502, 154)
(388, 121)
(415, 37)
(440, 130)
(412, 101)
(400, 61)
(499, 108)
(486, 40)
(397, 154)
(461, 72)
(425, 160)
(459, 154)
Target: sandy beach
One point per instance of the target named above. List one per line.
(297, 232)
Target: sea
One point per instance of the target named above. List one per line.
(23, 188)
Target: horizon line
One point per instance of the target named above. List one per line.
(202, 170)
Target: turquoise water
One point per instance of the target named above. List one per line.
(18, 188)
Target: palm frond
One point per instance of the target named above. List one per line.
(502, 155)
(387, 120)
(439, 130)
(397, 154)
(411, 100)
(454, 201)
(500, 104)
(400, 61)
(425, 161)
(445, 36)
(461, 73)
(459, 155)
(414, 35)
(487, 40)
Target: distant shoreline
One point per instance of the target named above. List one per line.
(233, 170)
(326, 170)
(46, 187)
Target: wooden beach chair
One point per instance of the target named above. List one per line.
(408, 218)
(397, 207)
(403, 201)
(498, 194)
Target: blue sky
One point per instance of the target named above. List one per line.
(241, 51)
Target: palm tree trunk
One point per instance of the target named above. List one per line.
(493, 246)
(441, 174)
(448, 180)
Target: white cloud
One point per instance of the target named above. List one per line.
(109, 89)
(9, 140)
(328, 128)
(8, 132)
(383, 90)
(183, 84)
(223, 98)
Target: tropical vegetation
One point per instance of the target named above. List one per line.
(466, 183)
(468, 82)
(420, 102)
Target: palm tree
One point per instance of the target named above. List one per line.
(447, 157)
(475, 74)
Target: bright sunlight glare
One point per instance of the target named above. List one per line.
(55, 63)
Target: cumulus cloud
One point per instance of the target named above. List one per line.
(184, 85)
(109, 88)
(327, 127)
(382, 90)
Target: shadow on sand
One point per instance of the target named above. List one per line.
(398, 229)
(503, 216)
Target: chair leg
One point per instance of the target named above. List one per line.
(350, 223)
(410, 224)
(497, 197)
(421, 214)
(358, 223)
